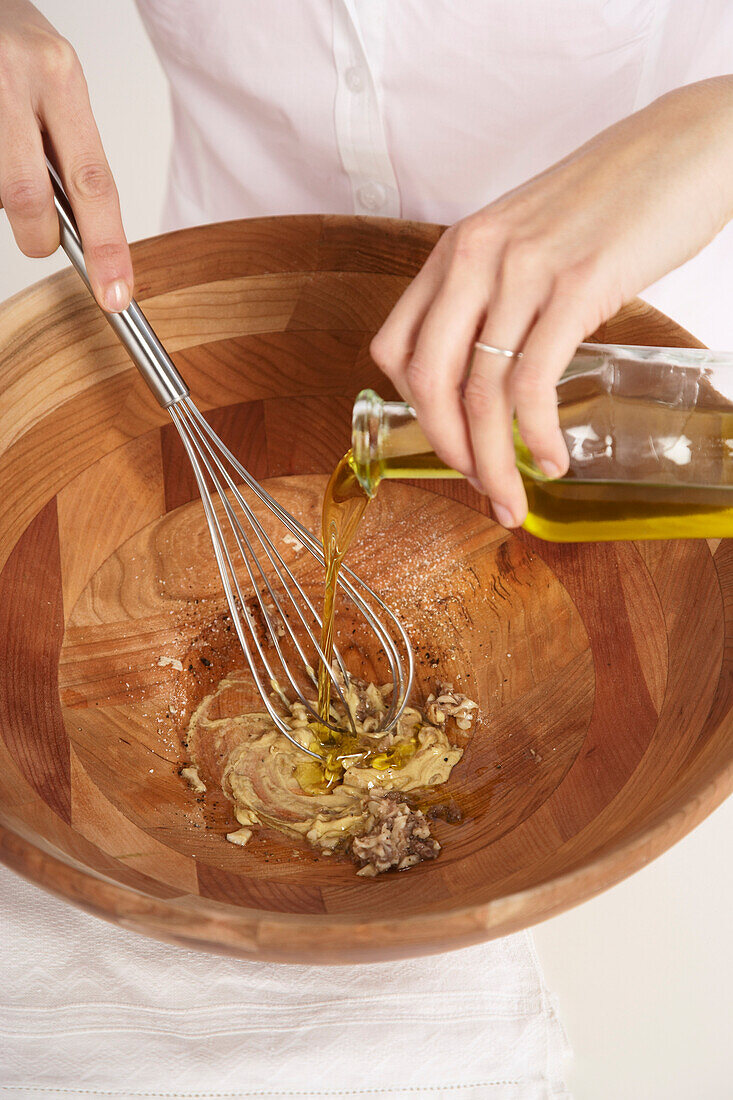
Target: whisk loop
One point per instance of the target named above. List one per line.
(283, 607)
(269, 608)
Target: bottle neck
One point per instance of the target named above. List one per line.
(387, 441)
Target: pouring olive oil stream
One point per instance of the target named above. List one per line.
(650, 437)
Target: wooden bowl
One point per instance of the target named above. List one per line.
(603, 671)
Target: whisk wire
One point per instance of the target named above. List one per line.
(402, 677)
(235, 601)
(209, 456)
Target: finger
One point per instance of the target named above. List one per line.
(547, 351)
(488, 396)
(25, 187)
(86, 175)
(488, 403)
(393, 346)
(440, 362)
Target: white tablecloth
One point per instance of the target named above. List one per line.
(89, 1010)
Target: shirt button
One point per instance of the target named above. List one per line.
(372, 196)
(354, 79)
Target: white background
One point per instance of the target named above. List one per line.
(644, 973)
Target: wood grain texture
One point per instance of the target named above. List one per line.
(110, 501)
(240, 427)
(31, 626)
(604, 672)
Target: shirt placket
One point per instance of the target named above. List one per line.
(360, 131)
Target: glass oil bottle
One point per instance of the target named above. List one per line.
(649, 432)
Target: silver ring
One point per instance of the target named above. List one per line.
(498, 351)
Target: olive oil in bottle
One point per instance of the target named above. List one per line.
(649, 433)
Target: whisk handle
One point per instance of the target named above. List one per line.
(131, 325)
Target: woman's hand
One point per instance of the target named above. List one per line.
(540, 269)
(44, 103)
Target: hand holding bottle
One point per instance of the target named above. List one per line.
(540, 269)
(44, 108)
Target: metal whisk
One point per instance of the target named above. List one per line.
(268, 606)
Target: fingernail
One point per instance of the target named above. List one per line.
(550, 469)
(116, 297)
(475, 484)
(502, 515)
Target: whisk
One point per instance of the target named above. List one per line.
(266, 602)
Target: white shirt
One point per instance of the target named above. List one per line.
(424, 109)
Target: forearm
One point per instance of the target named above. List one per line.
(695, 120)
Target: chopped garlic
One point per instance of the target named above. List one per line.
(291, 540)
(163, 662)
(191, 774)
(240, 837)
